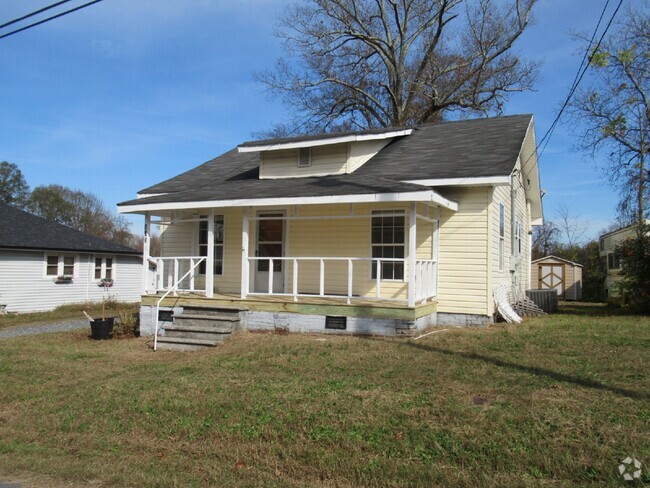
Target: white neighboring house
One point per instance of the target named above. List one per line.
(44, 265)
(610, 259)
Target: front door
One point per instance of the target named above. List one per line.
(551, 276)
(270, 244)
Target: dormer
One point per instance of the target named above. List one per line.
(331, 154)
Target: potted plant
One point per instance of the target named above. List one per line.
(105, 282)
(63, 279)
(102, 328)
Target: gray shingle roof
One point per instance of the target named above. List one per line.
(22, 230)
(460, 149)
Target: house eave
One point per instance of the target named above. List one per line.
(429, 196)
(324, 142)
(468, 181)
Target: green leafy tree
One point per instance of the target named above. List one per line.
(13, 187)
(381, 63)
(634, 287)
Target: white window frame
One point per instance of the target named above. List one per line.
(379, 213)
(103, 267)
(502, 236)
(204, 218)
(60, 264)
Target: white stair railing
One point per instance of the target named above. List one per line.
(171, 289)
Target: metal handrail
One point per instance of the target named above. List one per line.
(171, 289)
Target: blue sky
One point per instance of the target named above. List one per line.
(123, 94)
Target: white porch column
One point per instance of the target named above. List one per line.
(209, 261)
(146, 252)
(245, 273)
(411, 253)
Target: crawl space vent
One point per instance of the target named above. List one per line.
(165, 315)
(337, 323)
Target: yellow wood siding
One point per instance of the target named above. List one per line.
(325, 160)
(361, 152)
(463, 274)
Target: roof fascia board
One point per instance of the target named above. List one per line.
(416, 196)
(470, 181)
(557, 258)
(147, 195)
(69, 251)
(324, 142)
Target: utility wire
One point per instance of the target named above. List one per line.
(49, 18)
(582, 69)
(7, 24)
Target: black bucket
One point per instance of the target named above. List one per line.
(102, 329)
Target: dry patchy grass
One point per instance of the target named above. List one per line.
(557, 401)
(67, 312)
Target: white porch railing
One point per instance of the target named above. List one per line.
(425, 279)
(426, 274)
(177, 274)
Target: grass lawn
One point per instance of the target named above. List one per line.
(66, 312)
(555, 402)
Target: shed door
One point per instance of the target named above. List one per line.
(551, 276)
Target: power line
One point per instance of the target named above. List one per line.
(36, 12)
(582, 69)
(49, 18)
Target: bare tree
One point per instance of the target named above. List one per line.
(570, 226)
(615, 111)
(79, 210)
(380, 63)
(545, 239)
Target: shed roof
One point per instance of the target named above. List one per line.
(22, 230)
(556, 258)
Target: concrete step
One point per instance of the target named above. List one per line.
(185, 344)
(197, 332)
(223, 318)
(205, 322)
(223, 311)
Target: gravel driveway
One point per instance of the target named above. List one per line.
(44, 329)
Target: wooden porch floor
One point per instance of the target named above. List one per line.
(307, 305)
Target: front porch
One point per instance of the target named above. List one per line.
(308, 314)
(367, 268)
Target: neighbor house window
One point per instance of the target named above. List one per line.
(218, 243)
(602, 244)
(104, 268)
(502, 235)
(388, 243)
(57, 265)
(613, 261)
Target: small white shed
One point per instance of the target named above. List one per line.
(552, 272)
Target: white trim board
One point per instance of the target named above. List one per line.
(324, 142)
(415, 196)
(469, 181)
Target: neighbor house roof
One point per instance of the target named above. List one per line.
(459, 149)
(22, 230)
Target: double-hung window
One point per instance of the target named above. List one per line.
(218, 243)
(502, 235)
(388, 243)
(613, 261)
(58, 265)
(104, 268)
